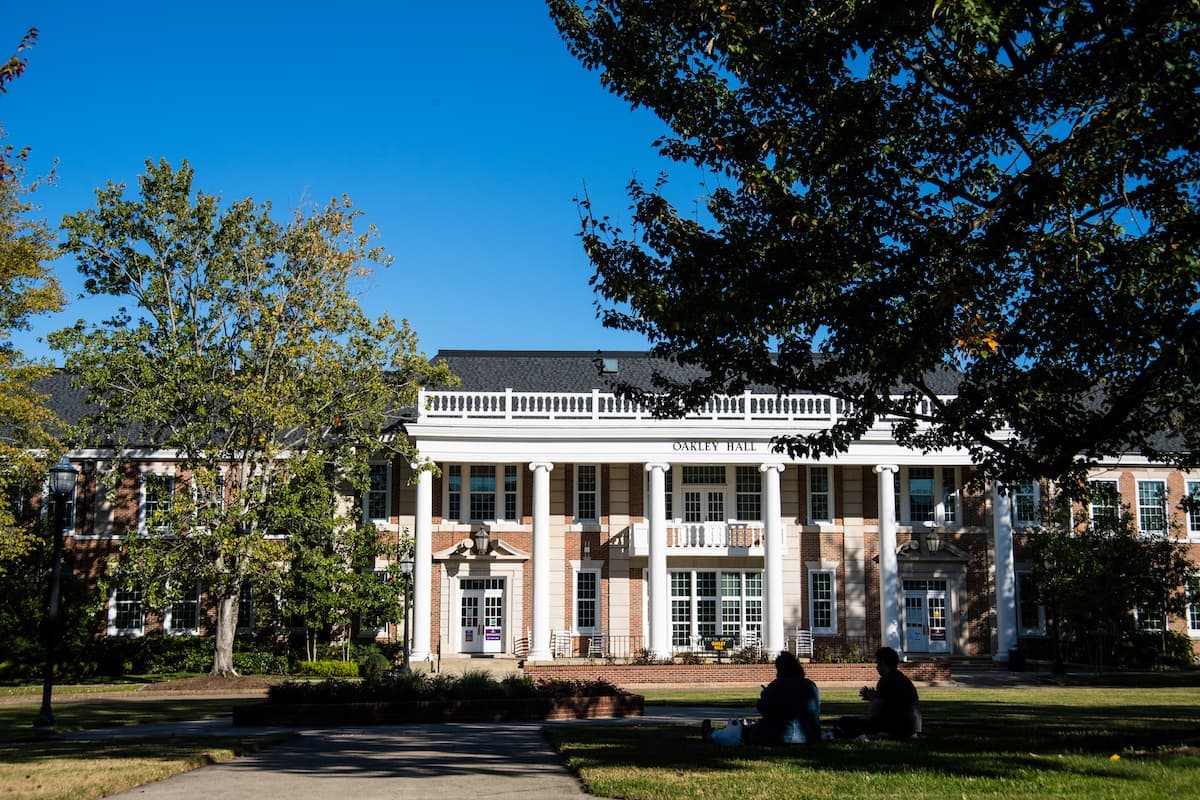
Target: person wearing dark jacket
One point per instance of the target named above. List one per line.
(895, 706)
(790, 707)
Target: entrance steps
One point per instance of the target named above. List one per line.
(498, 666)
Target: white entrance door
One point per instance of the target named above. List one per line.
(481, 621)
(925, 618)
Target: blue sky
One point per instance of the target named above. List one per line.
(462, 133)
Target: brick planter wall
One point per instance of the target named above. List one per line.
(421, 711)
(629, 674)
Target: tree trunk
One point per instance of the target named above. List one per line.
(227, 614)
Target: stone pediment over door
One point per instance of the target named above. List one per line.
(464, 550)
(917, 551)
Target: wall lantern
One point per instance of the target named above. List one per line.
(482, 541)
(933, 542)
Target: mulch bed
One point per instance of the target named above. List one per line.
(216, 683)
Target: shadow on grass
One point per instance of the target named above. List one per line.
(16, 721)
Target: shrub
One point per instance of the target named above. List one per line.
(374, 666)
(329, 669)
(401, 687)
(644, 657)
(690, 659)
(259, 662)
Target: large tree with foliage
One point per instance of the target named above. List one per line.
(1005, 190)
(245, 352)
(27, 288)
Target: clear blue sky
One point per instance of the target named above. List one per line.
(463, 133)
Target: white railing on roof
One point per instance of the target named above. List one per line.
(598, 405)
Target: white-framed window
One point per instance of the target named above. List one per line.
(706, 603)
(482, 492)
(1031, 615)
(820, 495)
(587, 600)
(822, 601)
(587, 493)
(1104, 503)
(379, 491)
(1026, 504)
(1152, 506)
(927, 494)
(126, 616)
(747, 493)
(1147, 621)
(245, 620)
(669, 486)
(158, 494)
(182, 617)
(1193, 511)
(1193, 605)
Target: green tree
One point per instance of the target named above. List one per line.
(1006, 192)
(27, 288)
(1092, 577)
(247, 355)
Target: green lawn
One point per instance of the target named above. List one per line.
(16, 720)
(1125, 743)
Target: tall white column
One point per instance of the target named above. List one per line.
(539, 648)
(1006, 591)
(422, 609)
(774, 639)
(659, 589)
(889, 568)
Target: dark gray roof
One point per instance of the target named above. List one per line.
(65, 400)
(579, 370)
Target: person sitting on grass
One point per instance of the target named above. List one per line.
(790, 706)
(895, 708)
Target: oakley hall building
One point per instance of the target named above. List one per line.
(564, 521)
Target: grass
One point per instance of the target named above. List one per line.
(16, 720)
(1006, 743)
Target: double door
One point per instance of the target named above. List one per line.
(925, 617)
(481, 617)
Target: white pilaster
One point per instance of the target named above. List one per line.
(539, 648)
(773, 630)
(658, 589)
(1006, 593)
(889, 568)
(422, 609)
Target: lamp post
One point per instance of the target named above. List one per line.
(406, 569)
(62, 486)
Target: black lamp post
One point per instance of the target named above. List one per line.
(62, 487)
(406, 569)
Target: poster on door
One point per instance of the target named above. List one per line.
(468, 635)
(491, 634)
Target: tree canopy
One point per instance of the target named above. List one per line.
(27, 288)
(1002, 192)
(243, 352)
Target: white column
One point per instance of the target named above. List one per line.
(539, 648)
(422, 609)
(889, 568)
(774, 638)
(659, 588)
(1006, 592)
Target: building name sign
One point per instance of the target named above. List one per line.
(697, 446)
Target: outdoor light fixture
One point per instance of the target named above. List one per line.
(482, 540)
(60, 485)
(933, 542)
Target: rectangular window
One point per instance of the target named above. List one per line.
(587, 493)
(949, 507)
(748, 494)
(375, 504)
(1031, 615)
(1193, 608)
(820, 506)
(1025, 504)
(245, 621)
(183, 615)
(1152, 506)
(125, 615)
(708, 475)
(708, 603)
(1104, 504)
(681, 609)
(158, 492)
(1193, 509)
(822, 601)
(454, 492)
(715, 507)
(587, 601)
(510, 492)
(1147, 621)
(669, 486)
(920, 494)
(691, 507)
(483, 492)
